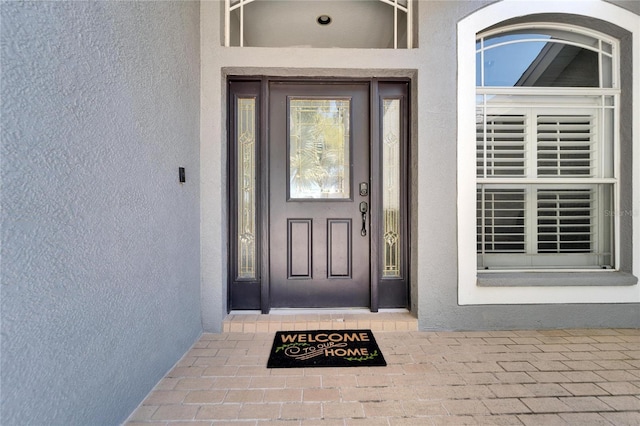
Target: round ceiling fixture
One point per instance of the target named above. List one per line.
(324, 19)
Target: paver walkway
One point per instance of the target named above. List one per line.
(553, 377)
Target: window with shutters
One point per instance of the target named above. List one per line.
(546, 144)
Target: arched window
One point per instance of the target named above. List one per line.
(548, 154)
(547, 101)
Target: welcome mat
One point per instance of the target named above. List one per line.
(325, 348)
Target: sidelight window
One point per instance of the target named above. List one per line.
(246, 193)
(546, 145)
(391, 185)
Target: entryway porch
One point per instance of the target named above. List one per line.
(525, 377)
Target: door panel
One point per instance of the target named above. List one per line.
(339, 248)
(319, 154)
(299, 248)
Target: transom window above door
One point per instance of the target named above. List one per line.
(381, 24)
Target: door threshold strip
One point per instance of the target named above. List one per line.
(254, 322)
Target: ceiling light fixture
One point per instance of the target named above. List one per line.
(324, 19)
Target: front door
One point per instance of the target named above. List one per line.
(319, 178)
(318, 193)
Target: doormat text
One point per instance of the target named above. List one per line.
(325, 348)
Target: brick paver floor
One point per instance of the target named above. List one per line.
(552, 377)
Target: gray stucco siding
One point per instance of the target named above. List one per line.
(100, 243)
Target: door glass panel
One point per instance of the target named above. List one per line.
(391, 187)
(246, 140)
(319, 148)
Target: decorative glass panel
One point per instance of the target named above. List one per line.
(246, 140)
(391, 187)
(319, 164)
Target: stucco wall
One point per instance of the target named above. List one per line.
(434, 162)
(100, 243)
(439, 308)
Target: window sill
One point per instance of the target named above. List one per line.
(555, 279)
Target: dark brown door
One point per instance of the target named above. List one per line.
(319, 195)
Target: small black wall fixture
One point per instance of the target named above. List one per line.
(181, 176)
(324, 19)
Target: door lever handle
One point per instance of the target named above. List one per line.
(364, 208)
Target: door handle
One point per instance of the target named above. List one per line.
(364, 208)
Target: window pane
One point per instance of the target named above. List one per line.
(544, 137)
(565, 145)
(607, 149)
(391, 187)
(545, 226)
(607, 71)
(500, 145)
(508, 65)
(545, 58)
(319, 148)
(246, 140)
(479, 69)
(501, 220)
(565, 220)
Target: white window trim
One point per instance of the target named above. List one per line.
(469, 293)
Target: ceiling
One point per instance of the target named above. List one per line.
(293, 23)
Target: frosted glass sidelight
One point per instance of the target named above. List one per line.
(391, 187)
(246, 137)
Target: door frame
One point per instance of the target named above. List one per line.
(254, 294)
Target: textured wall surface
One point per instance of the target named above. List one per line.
(100, 243)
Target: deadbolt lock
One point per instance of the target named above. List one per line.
(364, 189)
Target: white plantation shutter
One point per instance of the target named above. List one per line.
(501, 220)
(501, 146)
(565, 220)
(539, 200)
(565, 217)
(565, 145)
